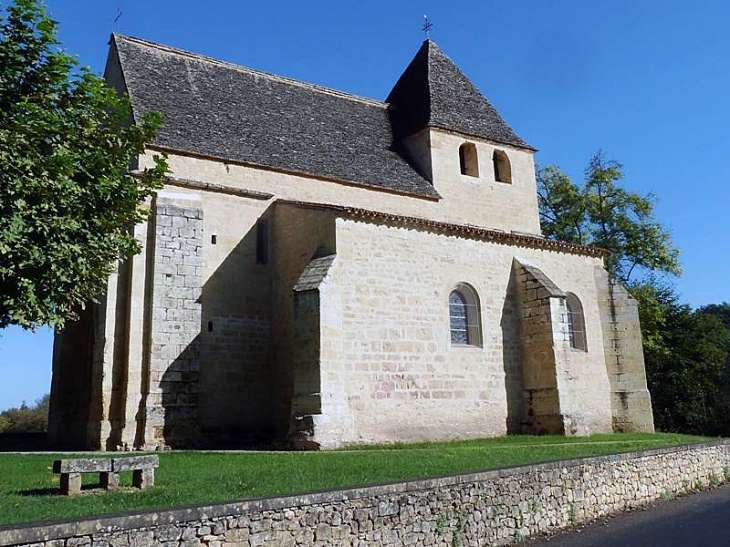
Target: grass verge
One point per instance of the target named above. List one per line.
(29, 490)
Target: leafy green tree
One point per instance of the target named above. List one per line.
(67, 198)
(721, 311)
(688, 373)
(602, 213)
(687, 354)
(656, 300)
(26, 419)
(563, 214)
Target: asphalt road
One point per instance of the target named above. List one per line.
(696, 520)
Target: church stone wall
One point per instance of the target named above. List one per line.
(541, 407)
(551, 367)
(305, 364)
(388, 356)
(71, 387)
(481, 202)
(296, 237)
(235, 377)
(386, 366)
(172, 387)
(630, 399)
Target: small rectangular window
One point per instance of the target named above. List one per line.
(262, 241)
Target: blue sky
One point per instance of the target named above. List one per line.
(645, 81)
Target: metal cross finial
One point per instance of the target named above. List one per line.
(118, 17)
(427, 26)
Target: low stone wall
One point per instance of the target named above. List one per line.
(486, 508)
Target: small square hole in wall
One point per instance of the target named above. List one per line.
(214, 239)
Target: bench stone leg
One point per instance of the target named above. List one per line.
(143, 478)
(110, 481)
(70, 483)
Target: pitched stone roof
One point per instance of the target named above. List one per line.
(314, 273)
(538, 275)
(236, 114)
(434, 92)
(225, 111)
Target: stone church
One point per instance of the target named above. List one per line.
(325, 269)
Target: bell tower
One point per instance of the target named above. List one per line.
(458, 141)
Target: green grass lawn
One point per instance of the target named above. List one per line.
(29, 490)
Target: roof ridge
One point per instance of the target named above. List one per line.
(241, 68)
(433, 91)
(429, 95)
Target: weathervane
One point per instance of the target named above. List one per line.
(427, 26)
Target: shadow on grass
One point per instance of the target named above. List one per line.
(33, 492)
(37, 442)
(24, 442)
(85, 489)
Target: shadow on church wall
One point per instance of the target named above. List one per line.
(218, 390)
(512, 356)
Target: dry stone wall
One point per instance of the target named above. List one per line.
(488, 508)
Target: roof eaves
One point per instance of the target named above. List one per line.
(431, 196)
(446, 129)
(476, 232)
(547, 283)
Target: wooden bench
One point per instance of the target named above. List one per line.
(142, 468)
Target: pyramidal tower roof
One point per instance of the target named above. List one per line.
(434, 92)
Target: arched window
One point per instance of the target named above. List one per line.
(576, 323)
(468, 160)
(464, 316)
(502, 167)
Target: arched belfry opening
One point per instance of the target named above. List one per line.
(468, 160)
(502, 167)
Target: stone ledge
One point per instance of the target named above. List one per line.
(214, 187)
(40, 531)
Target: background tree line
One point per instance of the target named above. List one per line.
(26, 419)
(687, 352)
